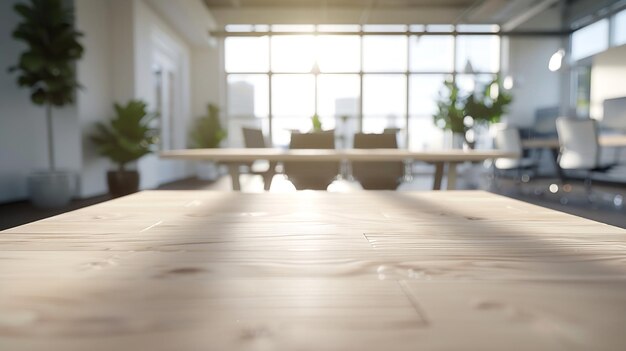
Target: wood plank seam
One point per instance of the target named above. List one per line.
(406, 290)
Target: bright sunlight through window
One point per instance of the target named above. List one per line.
(352, 80)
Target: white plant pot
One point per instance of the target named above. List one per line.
(51, 189)
(453, 140)
(207, 171)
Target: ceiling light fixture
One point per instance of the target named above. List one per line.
(556, 61)
(507, 83)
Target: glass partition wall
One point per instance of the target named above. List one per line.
(367, 78)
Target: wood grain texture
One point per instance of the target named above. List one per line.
(198, 270)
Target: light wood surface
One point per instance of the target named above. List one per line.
(193, 270)
(321, 155)
(443, 158)
(553, 143)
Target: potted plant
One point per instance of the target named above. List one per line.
(207, 133)
(450, 112)
(463, 114)
(487, 106)
(124, 139)
(46, 68)
(316, 124)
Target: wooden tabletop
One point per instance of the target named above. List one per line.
(270, 154)
(553, 143)
(194, 270)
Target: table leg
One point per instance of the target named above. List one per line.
(451, 176)
(438, 176)
(557, 167)
(233, 170)
(268, 176)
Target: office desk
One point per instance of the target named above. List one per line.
(553, 143)
(234, 157)
(197, 270)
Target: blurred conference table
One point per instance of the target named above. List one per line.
(234, 157)
(611, 140)
(374, 270)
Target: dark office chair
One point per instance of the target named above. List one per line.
(254, 138)
(311, 175)
(384, 175)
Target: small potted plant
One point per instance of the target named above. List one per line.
(487, 106)
(316, 124)
(47, 69)
(207, 133)
(462, 115)
(450, 113)
(124, 139)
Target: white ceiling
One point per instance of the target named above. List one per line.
(339, 3)
(424, 11)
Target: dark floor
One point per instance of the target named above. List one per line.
(22, 212)
(602, 209)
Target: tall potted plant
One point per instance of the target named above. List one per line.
(124, 139)
(207, 133)
(46, 68)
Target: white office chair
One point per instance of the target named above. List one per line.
(508, 140)
(579, 147)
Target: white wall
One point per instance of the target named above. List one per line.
(95, 73)
(534, 85)
(608, 78)
(122, 41)
(23, 143)
(208, 80)
(147, 27)
(116, 67)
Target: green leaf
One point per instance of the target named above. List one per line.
(31, 61)
(46, 67)
(24, 11)
(127, 136)
(207, 131)
(38, 97)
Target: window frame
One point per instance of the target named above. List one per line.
(408, 73)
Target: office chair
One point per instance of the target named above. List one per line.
(579, 148)
(254, 138)
(508, 140)
(377, 175)
(544, 126)
(311, 175)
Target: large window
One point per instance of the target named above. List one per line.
(619, 28)
(590, 40)
(355, 78)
